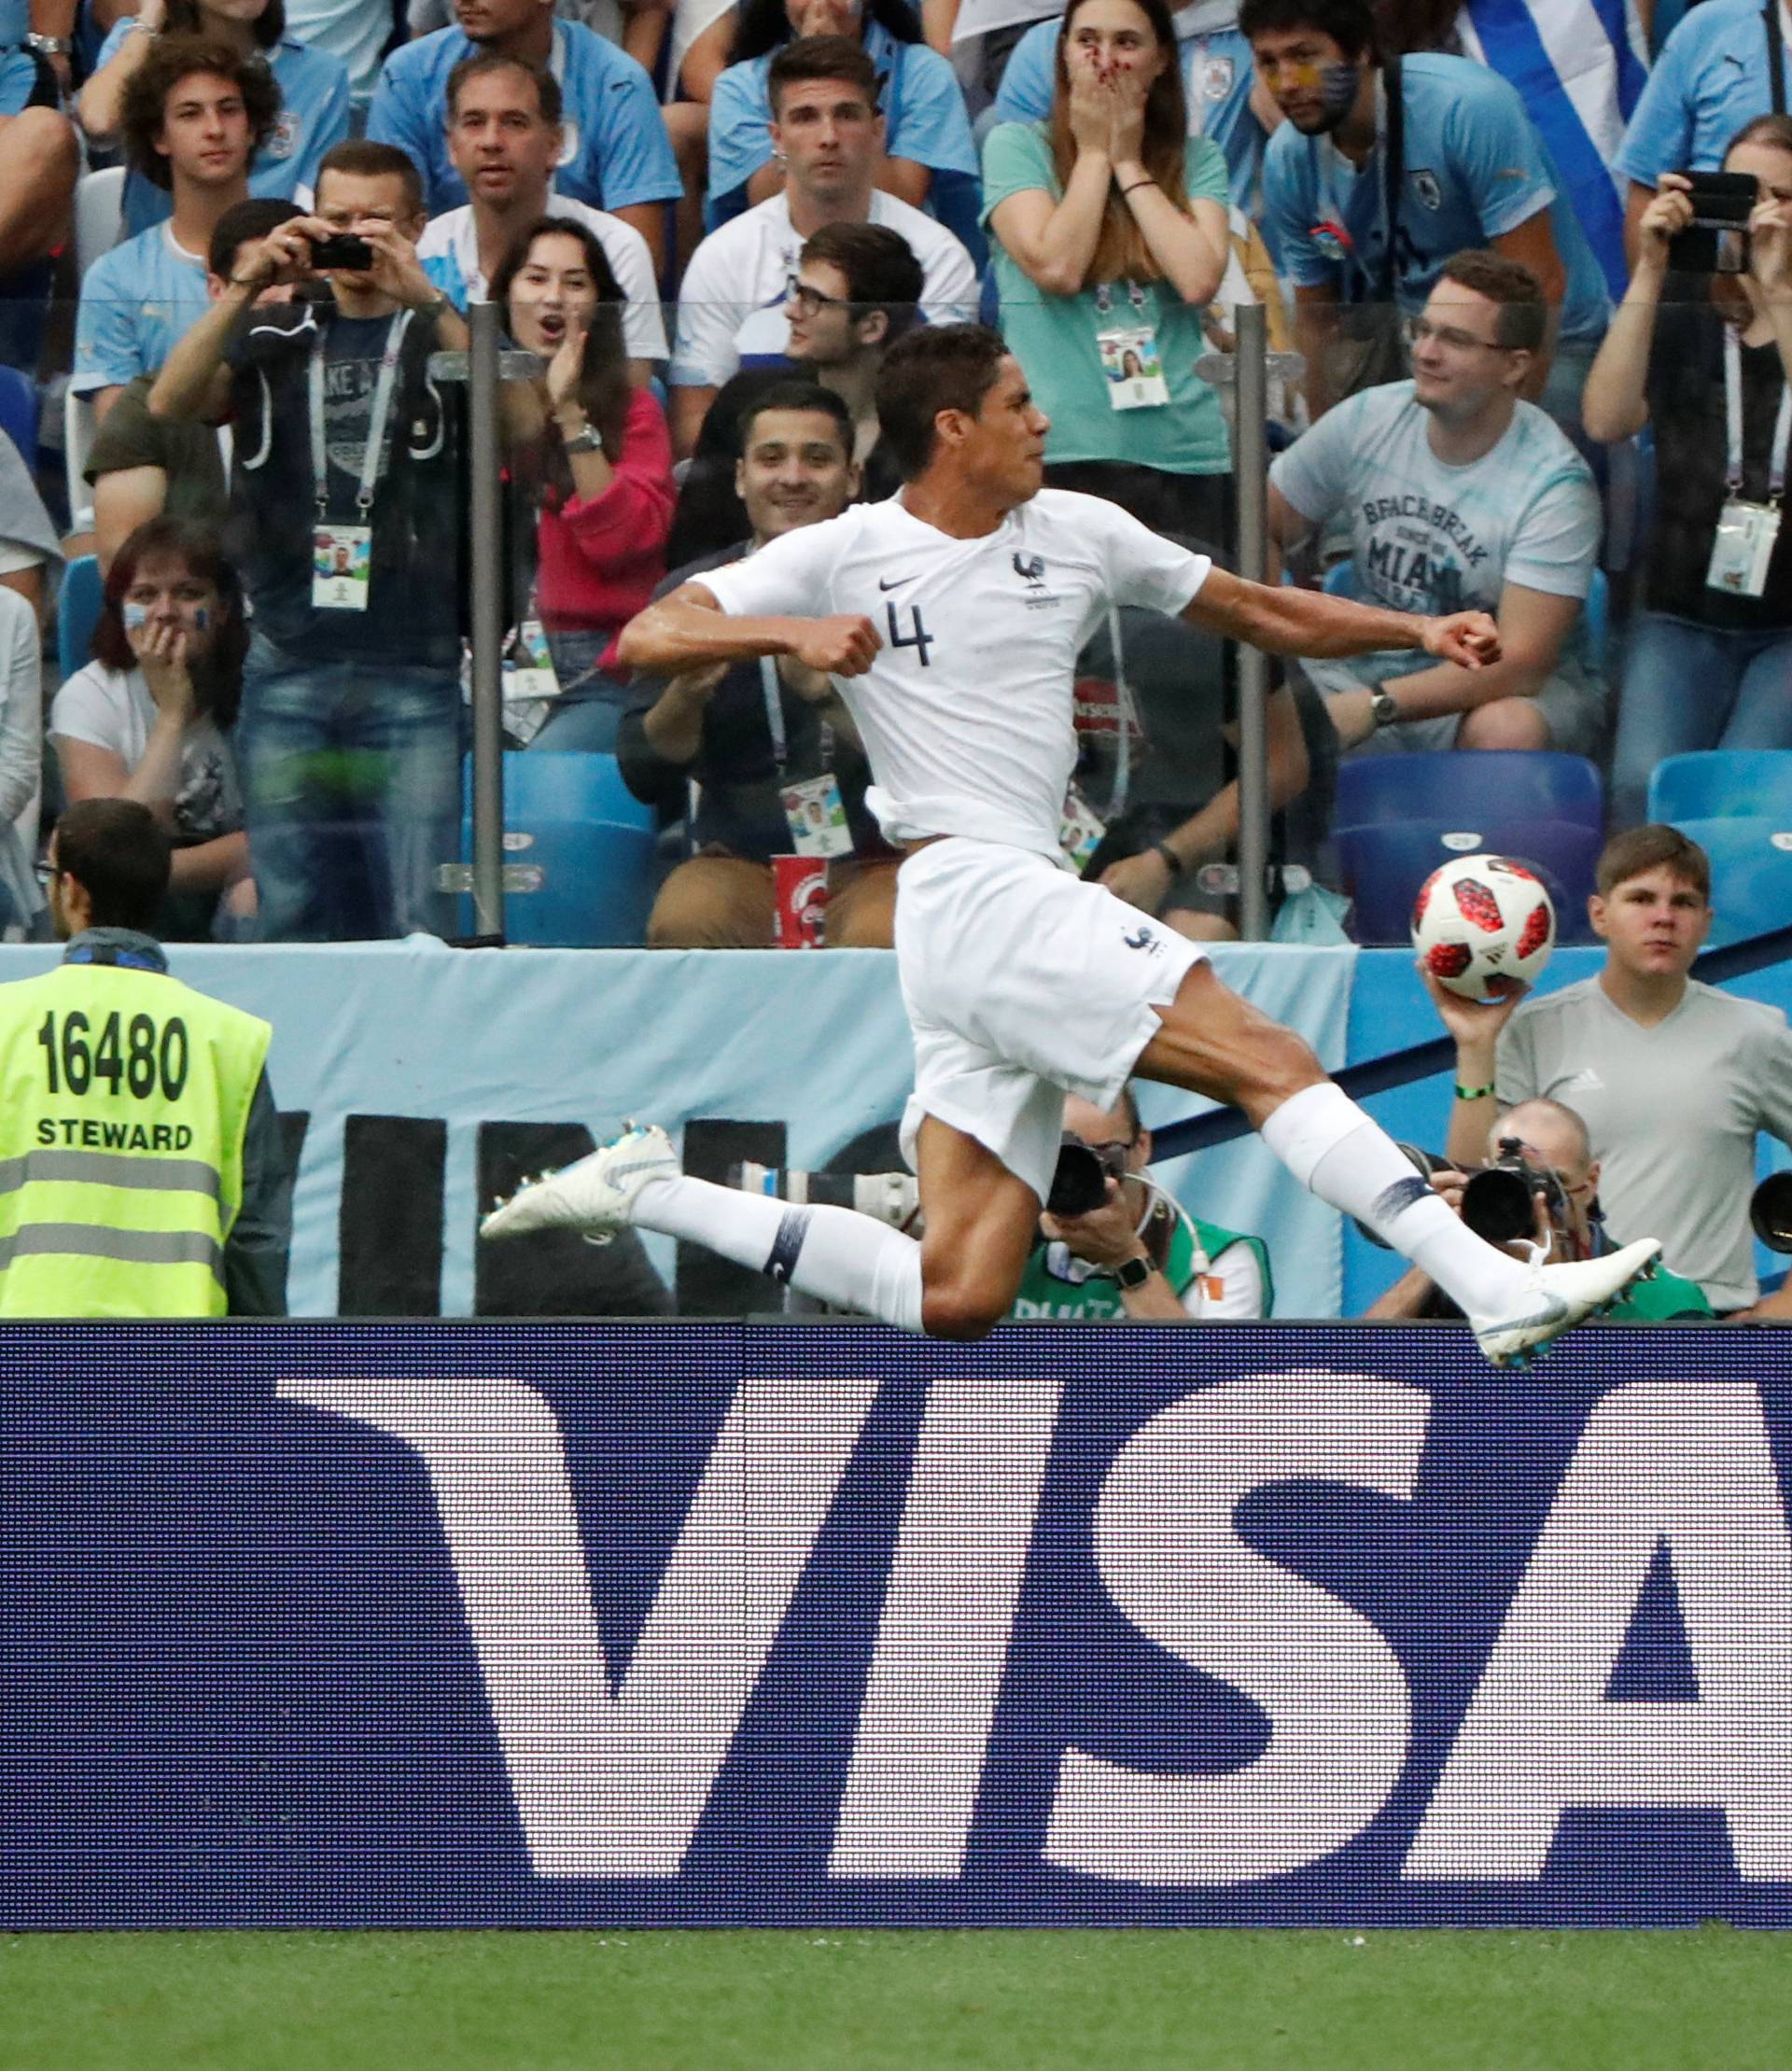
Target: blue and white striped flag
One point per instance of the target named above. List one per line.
(1579, 66)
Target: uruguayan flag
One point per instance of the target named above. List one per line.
(1579, 66)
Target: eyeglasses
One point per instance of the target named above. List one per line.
(1419, 329)
(811, 300)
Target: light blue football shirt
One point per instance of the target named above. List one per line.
(617, 152)
(138, 300)
(1712, 77)
(1217, 72)
(1475, 169)
(314, 115)
(918, 93)
(1428, 536)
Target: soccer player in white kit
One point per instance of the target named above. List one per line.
(951, 617)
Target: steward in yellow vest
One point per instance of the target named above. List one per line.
(141, 1169)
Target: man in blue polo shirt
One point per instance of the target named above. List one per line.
(1474, 174)
(1716, 72)
(194, 114)
(1218, 82)
(616, 153)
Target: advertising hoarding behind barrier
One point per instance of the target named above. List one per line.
(473, 1625)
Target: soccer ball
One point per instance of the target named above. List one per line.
(1483, 926)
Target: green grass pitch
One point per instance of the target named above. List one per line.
(849, 2000)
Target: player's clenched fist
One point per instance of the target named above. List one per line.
(842, 646)
(1469, 639)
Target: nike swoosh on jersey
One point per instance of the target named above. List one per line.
(895, 582)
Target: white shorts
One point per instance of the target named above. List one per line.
(1023, 983)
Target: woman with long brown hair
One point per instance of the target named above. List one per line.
(1110, 234)
(602, 463)
(1709, 659)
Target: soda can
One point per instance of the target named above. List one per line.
(802, 900)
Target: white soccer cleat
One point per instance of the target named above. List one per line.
(594, 1194)
(1553, 1298)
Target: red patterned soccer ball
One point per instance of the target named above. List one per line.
(1483, 925)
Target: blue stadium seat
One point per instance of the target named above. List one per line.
(78, 608)
(19, 412)
(572, 818)
(1724, 784)
(1750, 872)
(1384, 864)
(1468, 788)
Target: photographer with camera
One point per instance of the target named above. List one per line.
(1539, 1185)
(345, 489)
(1132, 1249)
(1712, 375)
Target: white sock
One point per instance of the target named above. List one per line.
(839, 1256)
(1332, 1146)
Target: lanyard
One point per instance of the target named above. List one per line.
(1123, 700)
(1774, 17)
(1104, 298)
(382, 409)
(1733, 425)
(770, 685)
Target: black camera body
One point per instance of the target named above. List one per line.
(1716, 240)
(1497, 1198)
(345, 253)
(1080, 1182)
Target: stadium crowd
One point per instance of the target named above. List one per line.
(1545, 370)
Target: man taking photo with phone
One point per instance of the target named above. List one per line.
(344, 484)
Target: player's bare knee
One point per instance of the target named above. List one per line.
(957, 1310)
(1507, 724)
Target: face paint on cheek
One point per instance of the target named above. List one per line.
(1337, 85)
(202, 618)
(136, 616)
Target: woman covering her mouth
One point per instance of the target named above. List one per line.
(600, 469)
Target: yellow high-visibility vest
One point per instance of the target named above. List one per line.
(124, 1101)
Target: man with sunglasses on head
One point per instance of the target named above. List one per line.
(1458, 495)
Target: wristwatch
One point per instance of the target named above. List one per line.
(1132, 1274)
(588, 440)
(50, 47)
(1382, 708)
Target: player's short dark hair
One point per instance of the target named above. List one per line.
(881, 271)
(118, 853)
(143, 108)
(1524, 318)
(547, 87)
(1640, 849)
(821, 58)
(1349, 23)
(245, 223)
(936, 367)
(362, 160)
(184, 17)
(795, 394)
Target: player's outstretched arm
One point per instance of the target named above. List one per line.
(1327, 628)
(689, 629)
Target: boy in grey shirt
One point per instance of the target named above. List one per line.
(1673, 1078)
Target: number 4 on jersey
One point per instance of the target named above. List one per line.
(921, 638)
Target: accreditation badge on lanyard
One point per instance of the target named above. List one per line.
(1128, 350)
(814, 810)
(1743, 546)
(341, 555)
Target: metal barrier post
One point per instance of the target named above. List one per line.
(485, 517)
(1251, 462)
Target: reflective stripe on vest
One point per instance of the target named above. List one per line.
(124, 1100)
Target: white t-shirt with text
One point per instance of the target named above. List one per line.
(966, 713)
(731, 307)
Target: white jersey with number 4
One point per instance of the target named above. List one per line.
(966, 713)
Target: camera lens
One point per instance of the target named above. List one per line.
(1770, 1211)
(1496, 1204)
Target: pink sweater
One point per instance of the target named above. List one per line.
(598, 560)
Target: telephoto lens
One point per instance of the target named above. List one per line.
(1497, 1203)
(1770, 1210)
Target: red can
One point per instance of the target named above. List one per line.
(802, 900)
